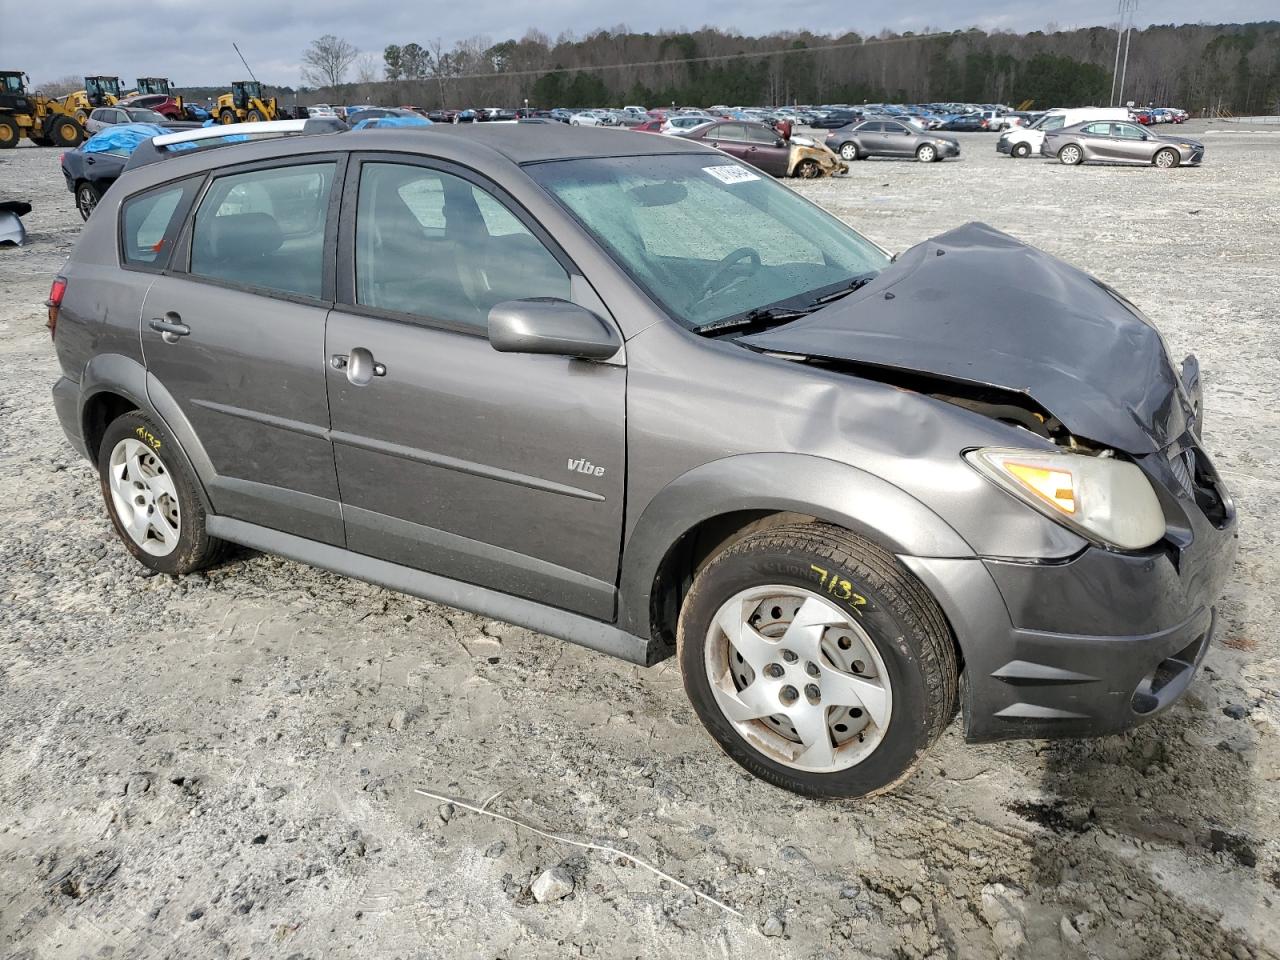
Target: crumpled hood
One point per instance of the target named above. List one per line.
(977, 306)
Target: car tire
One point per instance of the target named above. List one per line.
(926, 153)
(807, 170)
(1167, 158)
(253, 116)
(66, 132)
(151, 497)
(87, 196)
(867, 629)
(9, 133)
(1071, 155)
(1021, 151)
(849, 151)
(227, 116)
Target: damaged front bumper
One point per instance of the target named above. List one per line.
(1090, 645)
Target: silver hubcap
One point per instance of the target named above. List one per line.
(926, 154)
(1164, 160)
(1070, 155)
(144, 497)
(849, 152)
(800, 680)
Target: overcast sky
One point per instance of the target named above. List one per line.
(190, 42)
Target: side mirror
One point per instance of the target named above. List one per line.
(780, 142)
(551, 326)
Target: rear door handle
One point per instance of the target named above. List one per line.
(170, 328)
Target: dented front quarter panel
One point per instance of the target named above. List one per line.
(828, 162)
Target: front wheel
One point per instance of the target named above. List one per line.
(808, 170)
(227, 116)
(253, 116)
(848, 151)
(817, 661)
(87, 197)
(151, 497)
(1021, 150)
(9, 133)
(1167, 159)
(927, 153)
(1071, 155)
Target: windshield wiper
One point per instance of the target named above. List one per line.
(857, 284)
(759, 317)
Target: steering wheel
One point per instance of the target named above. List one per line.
(713, 283)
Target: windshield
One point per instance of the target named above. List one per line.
(137, 115)
(707, 238)
(11, 84)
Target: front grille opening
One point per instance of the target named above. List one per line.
(1168, 679)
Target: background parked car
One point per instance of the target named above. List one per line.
(1120, 142)
(834, 119)
(685, 122)
(1024, 142)
(104, 117)
(890, 138)
(648, 126)
(761, 146)
(967, 123)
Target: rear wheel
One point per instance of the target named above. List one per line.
(1071, 155)
(817, 661)
(1021, 150)
(87, 197)
(9, 133)
(1167, 158)
(848, 151)
(926, 153)
(151, 497)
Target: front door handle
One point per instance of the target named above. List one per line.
(171, 328)
(360, 366)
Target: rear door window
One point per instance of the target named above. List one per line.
(265, 228)
(150, 221)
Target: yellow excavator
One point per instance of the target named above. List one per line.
(244, 104)
(173, 107)
(97, 92)
(44, 121)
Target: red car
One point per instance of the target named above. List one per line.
(158, 102)
(1142, 116)
(649, 126)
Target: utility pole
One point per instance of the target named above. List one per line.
(1125, 9)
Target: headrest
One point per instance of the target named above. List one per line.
(245, 236)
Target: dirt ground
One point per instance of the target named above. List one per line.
(224, 766)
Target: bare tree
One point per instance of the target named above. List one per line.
(368, 69)
(60, 87)
(326, 61)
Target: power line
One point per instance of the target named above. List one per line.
(717, 58)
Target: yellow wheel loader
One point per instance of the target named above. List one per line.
(244, 104)
(43, 121)
(97, 92)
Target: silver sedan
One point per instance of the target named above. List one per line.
(1109, 141)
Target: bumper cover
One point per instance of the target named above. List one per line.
(1004, 146)
(66, 401)
(1088, 647)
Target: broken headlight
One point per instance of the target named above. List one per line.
(1106, 500)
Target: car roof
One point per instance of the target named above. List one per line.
(486, 147)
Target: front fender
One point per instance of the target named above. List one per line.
(777, 482)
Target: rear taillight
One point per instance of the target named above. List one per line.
(54, 303)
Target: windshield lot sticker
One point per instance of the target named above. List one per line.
(731, 174)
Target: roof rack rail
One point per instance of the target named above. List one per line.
(224, 135)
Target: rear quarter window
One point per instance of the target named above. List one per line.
(150, 222)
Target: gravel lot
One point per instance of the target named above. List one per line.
(225, 766)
